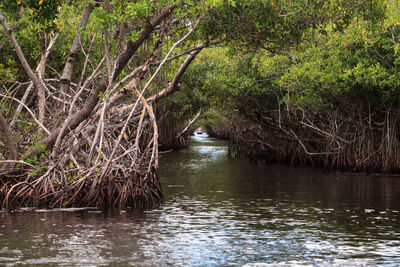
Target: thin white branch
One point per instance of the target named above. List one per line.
(30, 112)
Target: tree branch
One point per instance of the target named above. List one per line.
(174, 85)
(12, 146)
(132, 47)
(41, 90)
(29, 110)
(92, 101)
(190, 123)
(28, 90)
(36, 81)
(73, 53)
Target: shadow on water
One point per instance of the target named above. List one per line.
(221, 211)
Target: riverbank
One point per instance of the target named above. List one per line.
(293, 142)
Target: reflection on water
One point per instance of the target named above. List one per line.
(221, 211)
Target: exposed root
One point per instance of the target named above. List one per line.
(349, 137)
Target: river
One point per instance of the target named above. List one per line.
(221, 212)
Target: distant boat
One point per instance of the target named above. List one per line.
(199, 132)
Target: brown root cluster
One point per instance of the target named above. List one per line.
(170, 129)
(221, 131)
(109, 160)
(349, 136)
(173, 132)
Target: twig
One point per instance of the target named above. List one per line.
(30, 112)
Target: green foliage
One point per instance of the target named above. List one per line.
(361, 60)
(210, 118)
(28, 38)
(31, 160)
(7, 72)
(36, 161)
(35, 173)
(277, 24)
(43, 12)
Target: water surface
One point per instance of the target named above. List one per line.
(221, 211)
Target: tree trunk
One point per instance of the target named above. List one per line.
(12, 146)
(73, 53)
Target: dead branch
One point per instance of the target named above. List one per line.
(65, 79)
(12, 146)
(190, 123)
(30, 112)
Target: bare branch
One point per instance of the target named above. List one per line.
(12, 146)
(173, 86)
(73, 53)
(132, 47)
(92, 101)
(30, 112)
(190, 123)
(71, 109)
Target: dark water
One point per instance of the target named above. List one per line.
(221, 212)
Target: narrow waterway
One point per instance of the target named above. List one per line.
(220, 212)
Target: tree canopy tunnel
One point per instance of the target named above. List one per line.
(89, 89)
